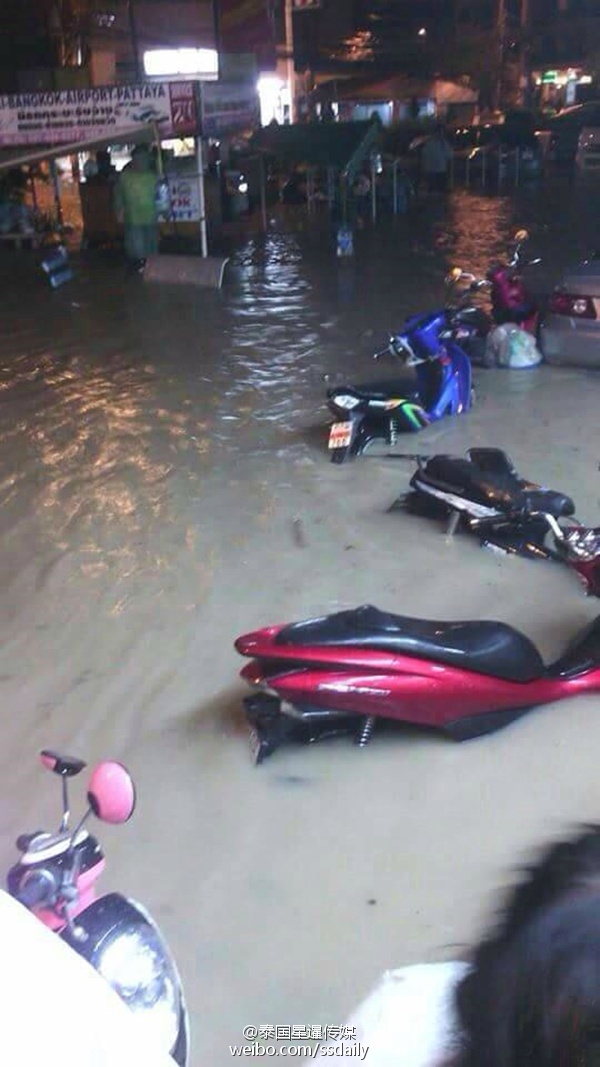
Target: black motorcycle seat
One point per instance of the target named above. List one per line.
(486, 647)
(471, 316)
(497, 489)
(394, 388)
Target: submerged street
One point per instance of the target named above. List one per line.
(165, 487)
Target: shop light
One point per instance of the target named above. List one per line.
(273, 93)
(171, 62)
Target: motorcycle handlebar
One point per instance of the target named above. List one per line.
(399, 348)
(517, 514)
(35, 891)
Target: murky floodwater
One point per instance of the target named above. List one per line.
(159, 449)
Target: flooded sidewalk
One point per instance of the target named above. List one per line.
(160, 451)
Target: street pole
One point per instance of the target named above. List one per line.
(524, 64)
(500, 30)
(200, 166)
(133, 36)
(289, 48)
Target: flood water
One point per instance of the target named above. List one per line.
(160, 450)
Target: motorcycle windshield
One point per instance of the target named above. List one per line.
(422, 332)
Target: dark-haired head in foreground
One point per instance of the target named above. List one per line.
(533, 996)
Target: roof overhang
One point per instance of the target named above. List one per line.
(21, 157)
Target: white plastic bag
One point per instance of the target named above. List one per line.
(509, 346)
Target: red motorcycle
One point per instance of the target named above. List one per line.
(345, 673)
(511, 301)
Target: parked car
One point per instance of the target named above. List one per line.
(566, 127)
(588, 148)
(570, 330)
(508, 148)
(506, 161)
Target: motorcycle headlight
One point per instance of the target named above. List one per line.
(137, 964)
(120, 940)
(343, 400)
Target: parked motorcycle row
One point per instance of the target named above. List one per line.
(438, 347)
(352, 671)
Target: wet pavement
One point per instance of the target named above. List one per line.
(161, 449)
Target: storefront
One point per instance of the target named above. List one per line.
(556, 89)
(76, 125)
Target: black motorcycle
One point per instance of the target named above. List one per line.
(484, 494)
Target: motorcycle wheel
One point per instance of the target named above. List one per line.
(340, 455)
(475, 349)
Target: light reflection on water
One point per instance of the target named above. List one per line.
(148, 484)
(117, 387)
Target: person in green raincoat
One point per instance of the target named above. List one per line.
(135, 201)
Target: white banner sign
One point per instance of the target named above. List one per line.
(96, 114)
(185, 198)
(229, 107)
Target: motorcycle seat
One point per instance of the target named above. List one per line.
(394, 388)
(470, 316)
(486, 647)
(496, 488)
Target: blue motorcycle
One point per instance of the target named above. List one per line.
(440, 384)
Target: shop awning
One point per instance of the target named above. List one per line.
(318, 144)
(22, 157)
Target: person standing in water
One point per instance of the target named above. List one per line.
(135, 197)
(436, 157)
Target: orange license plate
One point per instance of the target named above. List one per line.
(340, 435)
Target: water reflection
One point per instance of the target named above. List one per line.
(154, 453)
(476, 231)
(96, 424)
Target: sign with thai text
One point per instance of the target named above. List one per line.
(185, 198)
(229, 107)
(95, 114)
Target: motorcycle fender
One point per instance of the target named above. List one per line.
(103, 920)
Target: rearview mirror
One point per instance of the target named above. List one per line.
(111, 792)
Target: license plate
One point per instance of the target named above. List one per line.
(340, 435)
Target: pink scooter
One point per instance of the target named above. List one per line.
(55, 879)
